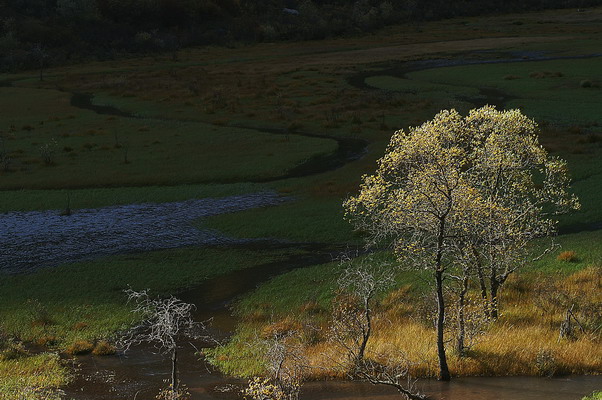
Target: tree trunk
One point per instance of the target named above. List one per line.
(366, 332)
(174, 376)
(482, 283)
(443, 368)
(495, 285)
(461, 322)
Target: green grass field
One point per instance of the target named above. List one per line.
(565, 92)
(53, 301)
(53, 145)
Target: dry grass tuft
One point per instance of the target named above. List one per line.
(312, 308)
(103, 348)
(280, 328)
(80, 347)
(46, 340)
(568, 256)
(79, 326)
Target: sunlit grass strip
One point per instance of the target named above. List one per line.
(32, 377)
(524, 341)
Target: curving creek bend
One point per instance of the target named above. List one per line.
(141, 372)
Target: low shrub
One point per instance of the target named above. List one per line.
(545, 363)
(80, 347)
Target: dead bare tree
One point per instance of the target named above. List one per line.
(40, 55)
(285, 364)
(164, 322)
(397, 377)
(351, 325)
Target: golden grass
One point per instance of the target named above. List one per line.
(103, 348)
(80, 347)
(567, 256)
(524, 341)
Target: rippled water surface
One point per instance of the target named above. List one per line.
(45, 238)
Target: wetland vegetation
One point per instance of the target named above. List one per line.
(299, 122)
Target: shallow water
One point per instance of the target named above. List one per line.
(35, 239)
(473, 388)
(148, 371)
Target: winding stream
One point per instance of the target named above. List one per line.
(348, 149)
(487, 95)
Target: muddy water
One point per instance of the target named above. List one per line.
(476, 388)
(35, 239)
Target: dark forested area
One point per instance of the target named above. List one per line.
(63, 31)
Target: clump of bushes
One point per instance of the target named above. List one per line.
(587, 83)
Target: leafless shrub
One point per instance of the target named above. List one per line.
(468, 321)
(351, 325)
(164, 322)
(47, 151)
(396, 376)
(285, 364)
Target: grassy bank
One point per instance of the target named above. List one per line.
(32, 377)
(79, 308)
(524, 341)
(85, 300)
(58, 199)
(305, 220)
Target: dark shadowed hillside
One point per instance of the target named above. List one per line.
(63, 31)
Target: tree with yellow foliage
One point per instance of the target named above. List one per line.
(475, 188)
